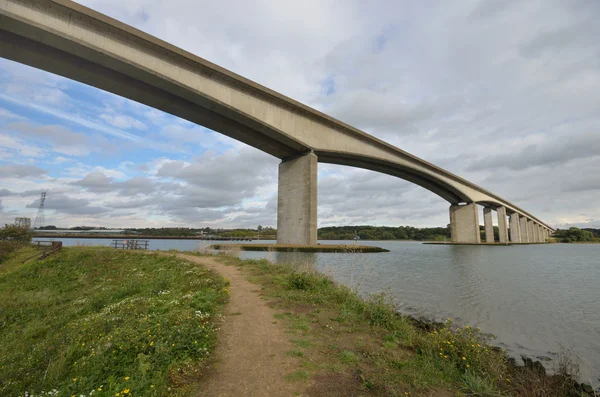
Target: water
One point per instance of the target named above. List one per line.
(534, 298)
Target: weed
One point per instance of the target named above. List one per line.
(295, 353)
(348, 357)
(296, 376)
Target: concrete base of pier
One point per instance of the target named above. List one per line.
(297, 201)
(464, 223)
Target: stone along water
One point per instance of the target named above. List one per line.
(534, 298)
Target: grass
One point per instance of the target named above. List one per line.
(353, 345)
(106, 322)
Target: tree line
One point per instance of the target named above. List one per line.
(574, 235)
(366, 232)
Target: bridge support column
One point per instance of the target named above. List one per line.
(297, 201)
(541, 233)
(502, 225)
(536, 233)
(488, 225)
(530, 231)
(464, 223)
(515, 228)
(524, 230)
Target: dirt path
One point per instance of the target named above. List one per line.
(251, 358)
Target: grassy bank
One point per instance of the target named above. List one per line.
(103, 322)
(353, 346)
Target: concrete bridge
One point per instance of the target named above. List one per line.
(73, 41)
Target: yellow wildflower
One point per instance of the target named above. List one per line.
(468, 366)
(99, 389)
(127, 378)
(464, 358)
(126, 391)
(74, 379)
(152, 386)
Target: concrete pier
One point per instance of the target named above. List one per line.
(502, 225)
(297, 201)
(464, 223)
(524, 230)
(536, 233)
(488, 225)
(515, 228)
(541, 231)
(530, 231)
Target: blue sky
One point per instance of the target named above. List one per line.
(504, 93)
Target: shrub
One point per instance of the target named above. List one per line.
(11, 238)
(467, 349)
(307, 281)
(381, 311)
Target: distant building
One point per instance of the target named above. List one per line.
(23, 222)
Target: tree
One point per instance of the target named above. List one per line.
(11, 238)
(15, 233)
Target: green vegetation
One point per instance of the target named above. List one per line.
(106, 322)
(576, 235)
(361, 346)
(383, 233)
(13, 237)
(259, 232)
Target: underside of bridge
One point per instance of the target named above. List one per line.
(73, 41)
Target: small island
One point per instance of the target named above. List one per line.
(344, 248)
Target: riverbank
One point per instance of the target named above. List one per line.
(105, 322)
(339, 343)
(351, 345)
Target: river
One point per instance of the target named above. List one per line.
(536, 299)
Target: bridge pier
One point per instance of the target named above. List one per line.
(488, 224)
(530, 231)
(536, 233)
(515, 228)
(502, 225)
(297, 201)
(464, 223)
(524, 230)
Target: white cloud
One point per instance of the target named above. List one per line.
(517, 113)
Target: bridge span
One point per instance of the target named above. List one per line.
(68, 39)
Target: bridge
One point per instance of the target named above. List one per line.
(68, 39)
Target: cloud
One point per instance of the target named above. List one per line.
(63, 140)
(516, 113)
(20, 171)
(8, 115)
(62, 203)
(122, 121)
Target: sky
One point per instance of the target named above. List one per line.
(503, 93)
